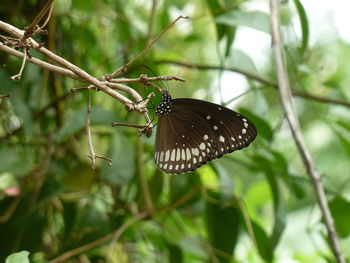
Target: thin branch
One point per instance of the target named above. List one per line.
(4, 96)
(149, 45)
(34, 27)
(289, 109)
(40, 63)
(88, 131)
(142, 177)
(151, 20)
(211, 67)
(92, 154)
(18, 76)
(258, 78)
(144, 79)
(114, 236)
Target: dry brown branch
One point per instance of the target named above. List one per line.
(39, 62)
(4, 96)
(34, 27)
(289, 109)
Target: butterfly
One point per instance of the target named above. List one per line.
(192, 132)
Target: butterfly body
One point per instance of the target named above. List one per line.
(193, 132)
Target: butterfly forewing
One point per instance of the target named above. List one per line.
(192, 132)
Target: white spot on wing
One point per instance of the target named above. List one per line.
(183, 154)
(170, 167)
(202, 146)
(215, 127)
(208, 117)
(178, 153)
(194, 160)
(205, 137)
(221, 138)
(177, 167)
(188, 154)
(172, 157)
(167, 154)
(162, 156)
(165, 165)
(246, 125)
(182, 165)
(244, 131)
(195, 151)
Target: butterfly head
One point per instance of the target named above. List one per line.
(164, 106)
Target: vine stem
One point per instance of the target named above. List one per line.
(289, 109)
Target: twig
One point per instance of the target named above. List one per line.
(34, 27)
(40, 63)
(92, 154)
(4, 96)
(18, 76)
(149, 45)
(258, 78)
(144, 79)
(10, 210)
(211, 67)
(142, 176)
(88, 131)
(246, 219)
(151, 20)
(114, 236)
(289, 109)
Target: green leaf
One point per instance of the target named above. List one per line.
(304, 25)
(180, 185)
(222, 224)
(253, 19)
(77, 121)
(262, 242)
(243, 61)
(226, 182)
(340, 209)
(122, 153)
(278, 203)
(13, 162)
(19, 257)
(345, 142)
(156, 185)
(222, 31)
(175, 253)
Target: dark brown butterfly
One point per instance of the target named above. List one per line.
(193, 132)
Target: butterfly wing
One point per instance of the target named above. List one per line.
(196, 132)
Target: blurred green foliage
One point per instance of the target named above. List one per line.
(256, 205)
